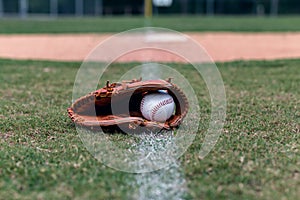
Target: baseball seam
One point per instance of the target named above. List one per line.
(158, 106)
(142, 104)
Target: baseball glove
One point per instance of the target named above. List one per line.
(117, 105)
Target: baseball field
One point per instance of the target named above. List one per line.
(256, 156)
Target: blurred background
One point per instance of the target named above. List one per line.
(24, 8)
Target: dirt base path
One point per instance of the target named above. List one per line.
(220, 46)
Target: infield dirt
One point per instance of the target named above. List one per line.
(221, 46)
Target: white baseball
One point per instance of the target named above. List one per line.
(157, 106)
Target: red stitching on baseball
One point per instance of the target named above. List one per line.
(142, 104)
(161, 104)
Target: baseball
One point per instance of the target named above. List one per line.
(157, 106)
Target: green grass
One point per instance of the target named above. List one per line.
(256, 157)
(179, 23)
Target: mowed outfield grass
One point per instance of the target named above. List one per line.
(179, 23)
(256, 157)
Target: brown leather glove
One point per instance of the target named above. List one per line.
(118, 105)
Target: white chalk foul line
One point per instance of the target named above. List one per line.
(167, 183)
